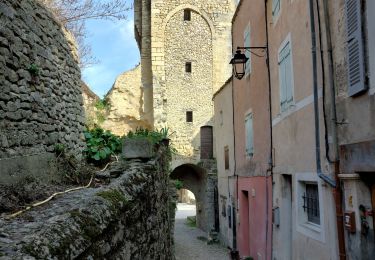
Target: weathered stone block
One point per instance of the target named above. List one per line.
(137, 148)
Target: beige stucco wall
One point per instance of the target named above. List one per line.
(294, 142)
(223, 125)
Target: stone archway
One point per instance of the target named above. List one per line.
(202, 185)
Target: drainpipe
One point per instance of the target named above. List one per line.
(234, 206)
(337, 192)
(270, 163)
(321, 175)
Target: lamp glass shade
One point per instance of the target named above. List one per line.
(239, 64)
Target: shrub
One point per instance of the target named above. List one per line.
(179, 184)
(101, 145)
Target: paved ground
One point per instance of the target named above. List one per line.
(187, 245)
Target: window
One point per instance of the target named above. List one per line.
(187, 15)
(311, 203)
(309, 206)
(249, 135)
(188, 67)
(221, 117)
(226, 157)
(223, 206)
(246, 42)
(276, 6)
(285, 76)
(189, 116)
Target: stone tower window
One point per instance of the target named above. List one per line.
(187, 15)
(188, 67)
(189, 116)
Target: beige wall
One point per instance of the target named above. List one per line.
(294, 142)
(223, 125)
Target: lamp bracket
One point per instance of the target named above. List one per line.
(252, 48)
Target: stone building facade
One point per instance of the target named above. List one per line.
(185, 51)
(183, 46)
(40, 101)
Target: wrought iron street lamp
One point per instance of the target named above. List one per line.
(239, 60)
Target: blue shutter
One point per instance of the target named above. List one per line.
(356, 70)
(288, 77)
(246, 37)
(285, 70)
(275, 7)
(249, 135)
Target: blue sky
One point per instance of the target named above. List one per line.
(113, 44)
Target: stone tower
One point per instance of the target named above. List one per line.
(185, 48)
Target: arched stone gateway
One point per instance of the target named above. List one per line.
(202, 181)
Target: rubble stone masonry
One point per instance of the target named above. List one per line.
(40, 100)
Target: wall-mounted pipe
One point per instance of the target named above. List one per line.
(337, 191)
(321, 175)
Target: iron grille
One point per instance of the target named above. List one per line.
(311, 203)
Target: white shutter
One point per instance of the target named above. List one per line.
(246, 37)
(249, 135)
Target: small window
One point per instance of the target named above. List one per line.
(311, 203)
(187, 15)
(188, 67)
(221, 117)
(226, 157)
(223, 206)
(189, 116)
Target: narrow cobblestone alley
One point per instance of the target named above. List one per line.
(187, 244)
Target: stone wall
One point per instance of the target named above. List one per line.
(130, 218)
(89, 101)
(125, 100)
(40, 101)
(168, 90)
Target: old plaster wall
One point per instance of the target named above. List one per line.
(130, 218)
(356, 136)
(225, 144)
(42, 107)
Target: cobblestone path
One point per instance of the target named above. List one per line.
(187, 244)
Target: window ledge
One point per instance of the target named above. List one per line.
(312, 226)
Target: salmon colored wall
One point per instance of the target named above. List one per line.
(251, 93)
(254, 237)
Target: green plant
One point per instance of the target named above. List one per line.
(102, 104)
(165, 132)
(101, 145)
(33, 69)
(143, 133)
(59, 149)
(100, 117)
(178, 184)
